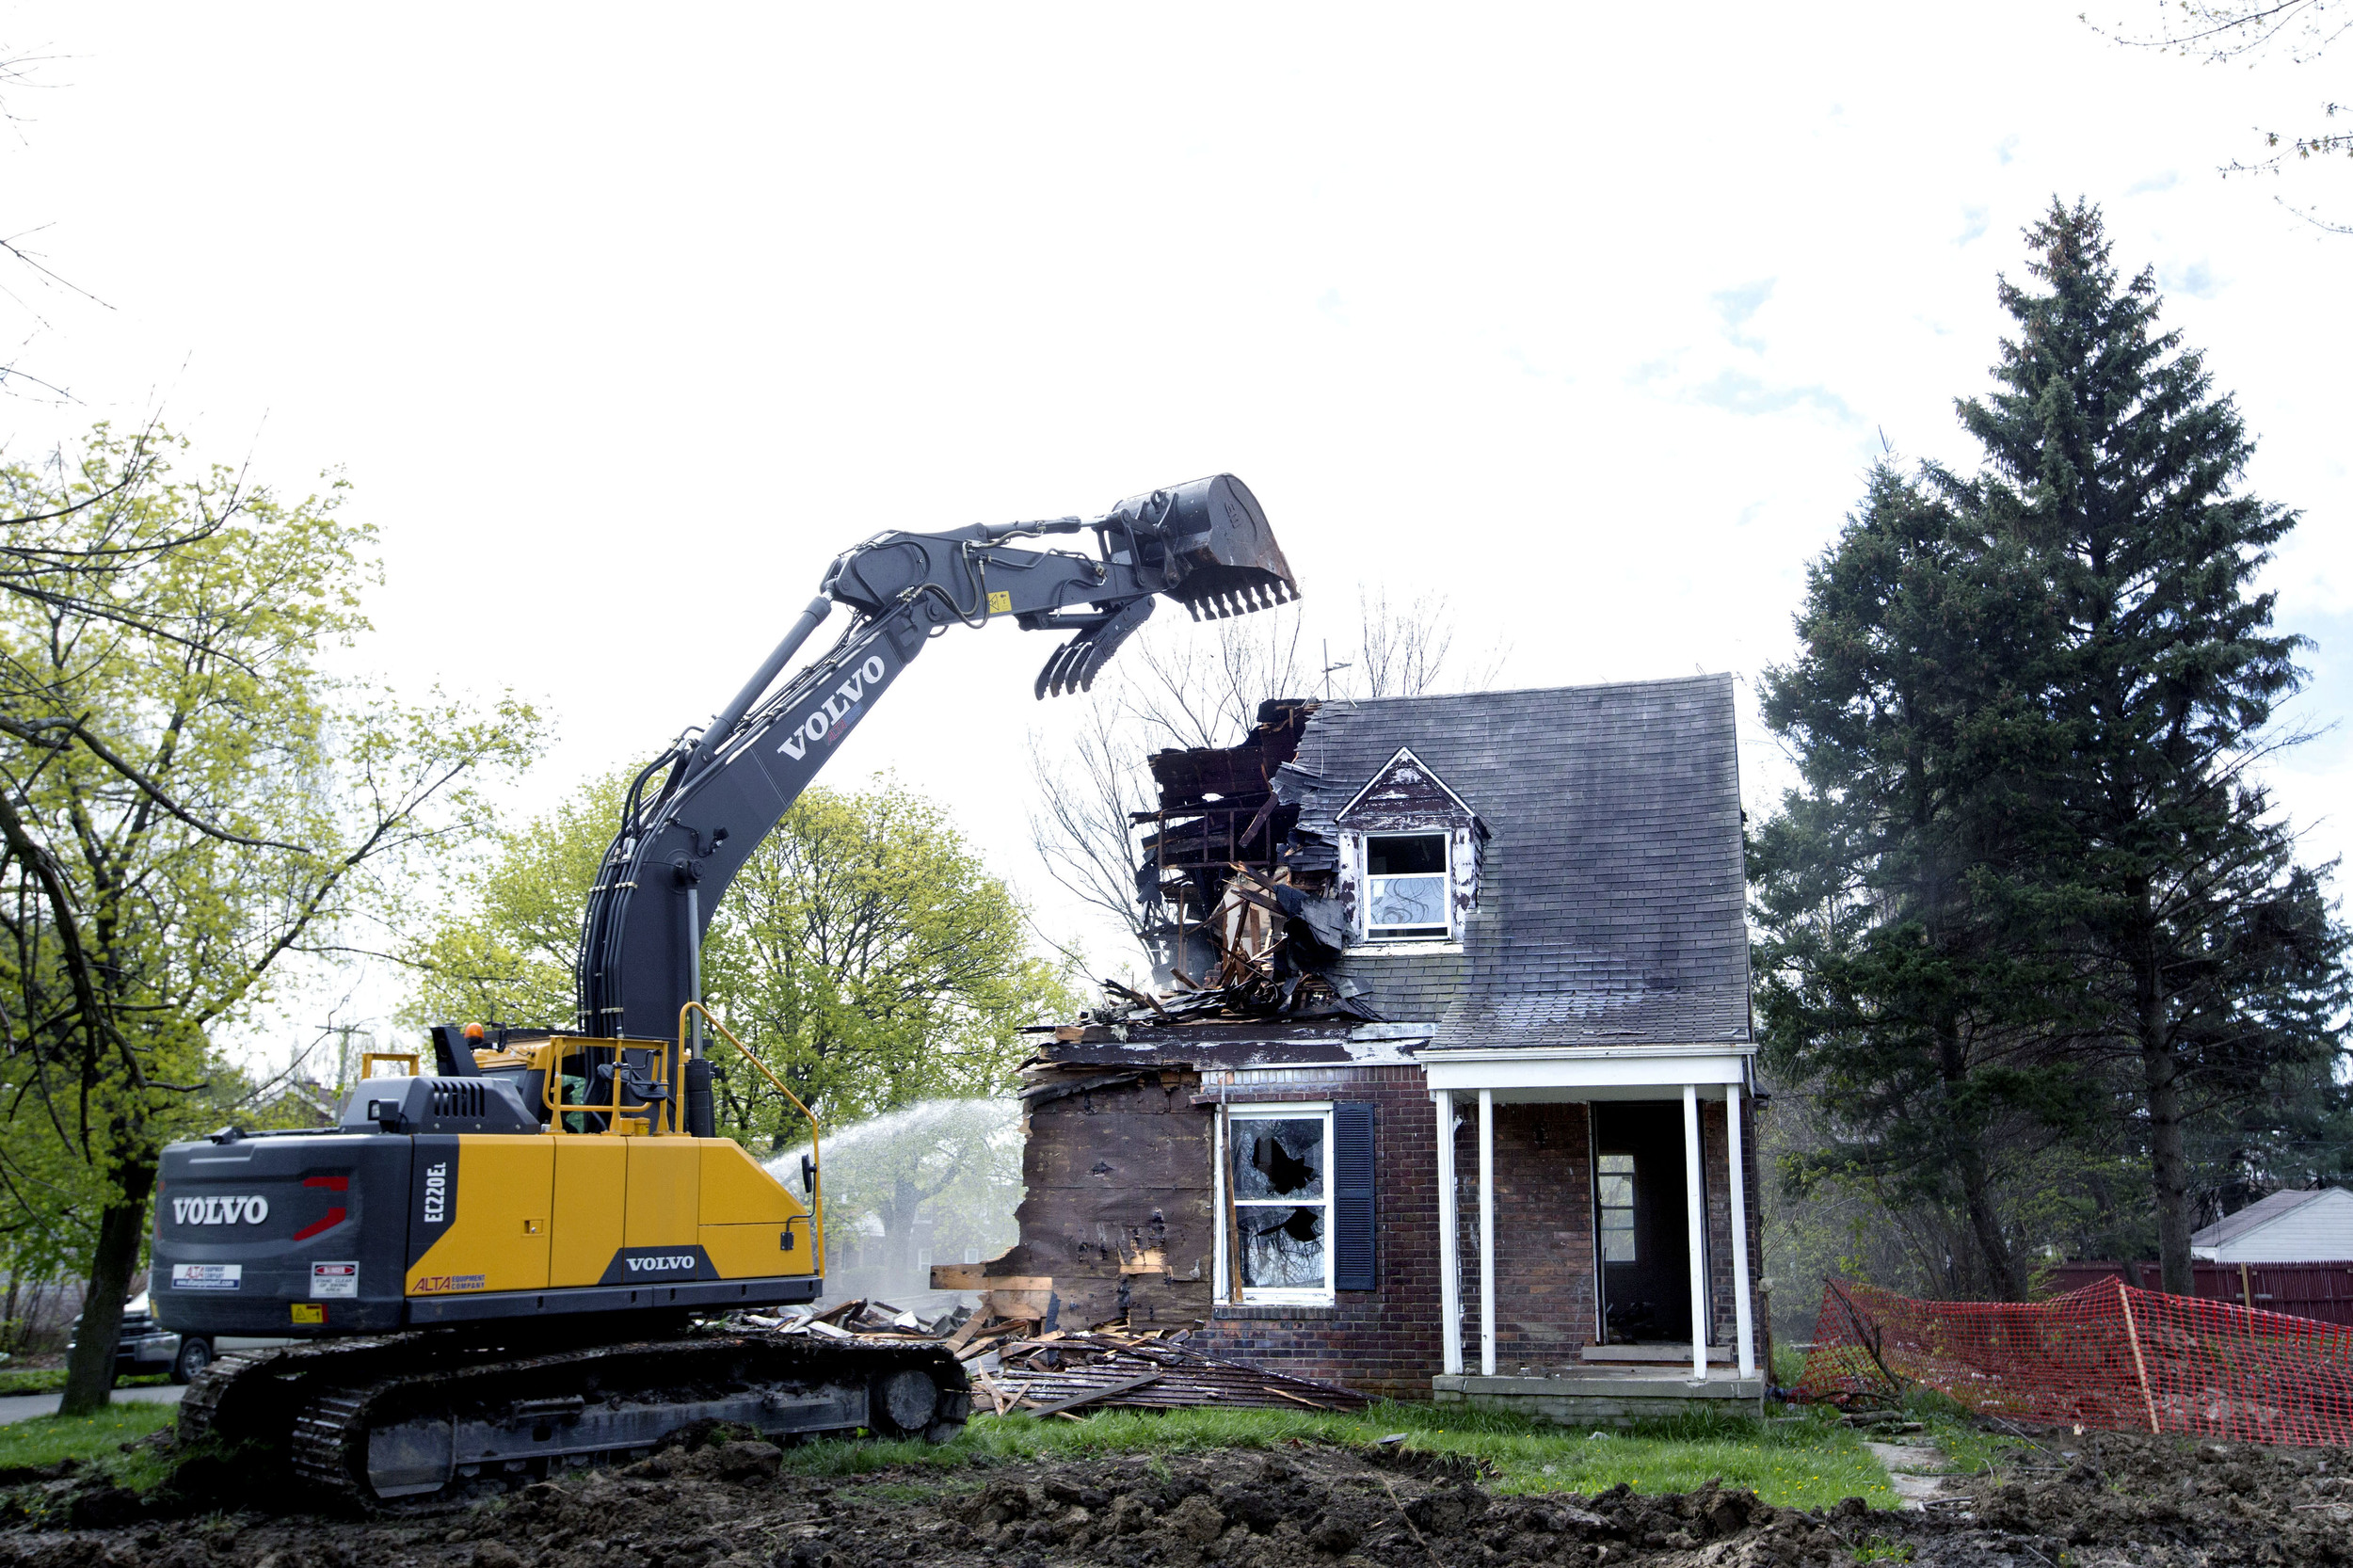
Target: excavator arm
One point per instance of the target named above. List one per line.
(696, 813)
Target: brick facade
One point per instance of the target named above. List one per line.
(1119, 1213)
(1383, 1341)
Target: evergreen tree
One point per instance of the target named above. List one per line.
(2205, 958)
(1897, 982)
(2029, 872)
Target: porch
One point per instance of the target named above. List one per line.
(1635, 1177)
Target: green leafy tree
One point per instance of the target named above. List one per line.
(188, 799)
(508, 955)
(864, 951)
(873, 960)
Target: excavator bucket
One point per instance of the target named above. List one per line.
(1211, 536)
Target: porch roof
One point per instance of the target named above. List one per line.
(1628, 1071)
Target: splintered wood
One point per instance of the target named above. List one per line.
(1016, 1366)
(1113, 1368)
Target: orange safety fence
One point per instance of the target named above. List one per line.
(2107, 1355)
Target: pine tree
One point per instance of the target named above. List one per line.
(2030, 873)
(2204, 957)
(1898, 980)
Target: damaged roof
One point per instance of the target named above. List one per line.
(1612, 904)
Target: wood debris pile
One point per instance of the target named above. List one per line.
(1016, 1368)
(1270, 942)
(861, 1317)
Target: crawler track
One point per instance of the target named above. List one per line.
(410, 1423)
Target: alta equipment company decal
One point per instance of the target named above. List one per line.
(435, 1285)
(334, 1279)
(207, 1276)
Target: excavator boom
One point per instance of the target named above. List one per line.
(704, 806)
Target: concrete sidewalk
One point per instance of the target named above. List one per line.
(18, 1407)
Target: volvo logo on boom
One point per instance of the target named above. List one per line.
(845, 697)
(248, 1210)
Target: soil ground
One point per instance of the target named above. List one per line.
(2088, 1501)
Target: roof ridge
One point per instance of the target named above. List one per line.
(1705, 678)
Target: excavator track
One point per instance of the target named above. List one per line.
(416, 1423)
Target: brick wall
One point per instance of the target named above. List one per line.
(1117, 1171)
(1544, 1288)
(1383, 1341)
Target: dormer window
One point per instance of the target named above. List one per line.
(1409, 857)
(1408, 894)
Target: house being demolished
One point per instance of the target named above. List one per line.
(1445, 1083)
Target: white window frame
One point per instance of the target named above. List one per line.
(1262, 1295)
(1366, 930)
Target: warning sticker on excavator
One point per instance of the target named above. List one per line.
(1001, 603)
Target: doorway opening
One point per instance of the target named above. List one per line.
(1642, 1223)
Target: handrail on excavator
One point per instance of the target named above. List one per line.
(816, 1167)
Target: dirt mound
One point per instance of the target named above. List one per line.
(722, 1503)
(2119, 1498)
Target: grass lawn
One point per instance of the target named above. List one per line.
(1809, 1462)
(51, 1380)
(46, 1439)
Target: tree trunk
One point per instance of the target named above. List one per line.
(1986, 1226)
(90, 1374)
(2169, 1165)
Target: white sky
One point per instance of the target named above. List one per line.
(624, 320)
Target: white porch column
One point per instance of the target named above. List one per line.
(1742, 1326)
(1450, 1238)
(1486, 1233)
(1699, 1228)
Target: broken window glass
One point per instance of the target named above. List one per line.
(1613, 1194)
(1280, 1211)
(1278, 1159)
(1282, 1249)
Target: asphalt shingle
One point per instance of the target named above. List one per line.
(1612, 889)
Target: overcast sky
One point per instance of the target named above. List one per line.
(623, 321)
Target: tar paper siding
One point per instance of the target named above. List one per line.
(1116, 1205)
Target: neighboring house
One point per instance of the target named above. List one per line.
(2314, 1227)
(1451, 1090)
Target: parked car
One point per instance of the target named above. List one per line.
(145, 1347)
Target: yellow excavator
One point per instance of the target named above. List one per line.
(538, 1255)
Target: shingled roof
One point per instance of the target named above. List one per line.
(1612, 890)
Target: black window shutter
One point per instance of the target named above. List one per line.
(1352, 1266)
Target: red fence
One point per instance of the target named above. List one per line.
(2320, 1290)
(2106, 1355)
